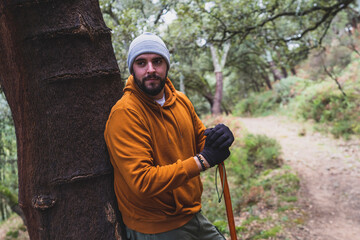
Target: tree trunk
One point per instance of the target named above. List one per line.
(255, 86)
(216, 107)
(267, 81)
(355, 24)
(209, 97)
(2, 210)
(276, 73)
(16, 209)
(219, 63)
(60, 78)
(182, 84)
(284, 72)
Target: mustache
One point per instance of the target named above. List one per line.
(152, 76)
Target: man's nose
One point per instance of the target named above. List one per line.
(151, 67)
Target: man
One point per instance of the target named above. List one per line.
(158, 147)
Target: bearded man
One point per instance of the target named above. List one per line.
(158, 146)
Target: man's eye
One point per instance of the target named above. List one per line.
(140, 63)
(157, 61)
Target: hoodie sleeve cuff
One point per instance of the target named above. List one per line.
(191, 167)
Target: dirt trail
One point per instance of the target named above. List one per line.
(330, 176)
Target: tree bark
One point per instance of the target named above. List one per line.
(219, 63)
(276, 73)
(60, 78)
(209, 97)
(284, 72)
(267, 80)
(216, 107)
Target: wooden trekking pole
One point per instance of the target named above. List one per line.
(229, 211)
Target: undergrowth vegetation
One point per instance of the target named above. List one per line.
(319, 101)
(337, 113)
(263, 190)
(13, 229)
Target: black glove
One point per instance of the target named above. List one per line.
(219, 137)
(213, 155)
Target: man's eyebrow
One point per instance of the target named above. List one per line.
(139, 59)
(155, 58)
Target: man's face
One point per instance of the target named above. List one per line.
(149, 71)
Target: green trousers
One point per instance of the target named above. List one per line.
(198, 228)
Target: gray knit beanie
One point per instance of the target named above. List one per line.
(147, 43)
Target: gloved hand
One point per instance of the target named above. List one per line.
(213, 155)
(219, 137)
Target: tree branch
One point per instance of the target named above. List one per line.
(332, 76)
(330, 13)
(161, 12)
(112, 15)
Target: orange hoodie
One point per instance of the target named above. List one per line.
(156, 179)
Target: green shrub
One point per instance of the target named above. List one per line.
(239, 166)
(12, 234)
(265, 103)
(342, 128)
(262, 151)
(284, 182)
(258, 104)
(287, 88)
(330, 108)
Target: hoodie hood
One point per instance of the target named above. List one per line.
(170, 93)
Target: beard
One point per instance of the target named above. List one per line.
(152, 90)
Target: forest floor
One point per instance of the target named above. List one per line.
(13, 228)
(329, 171)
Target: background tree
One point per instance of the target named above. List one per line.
(287, 28)
(8, 163)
